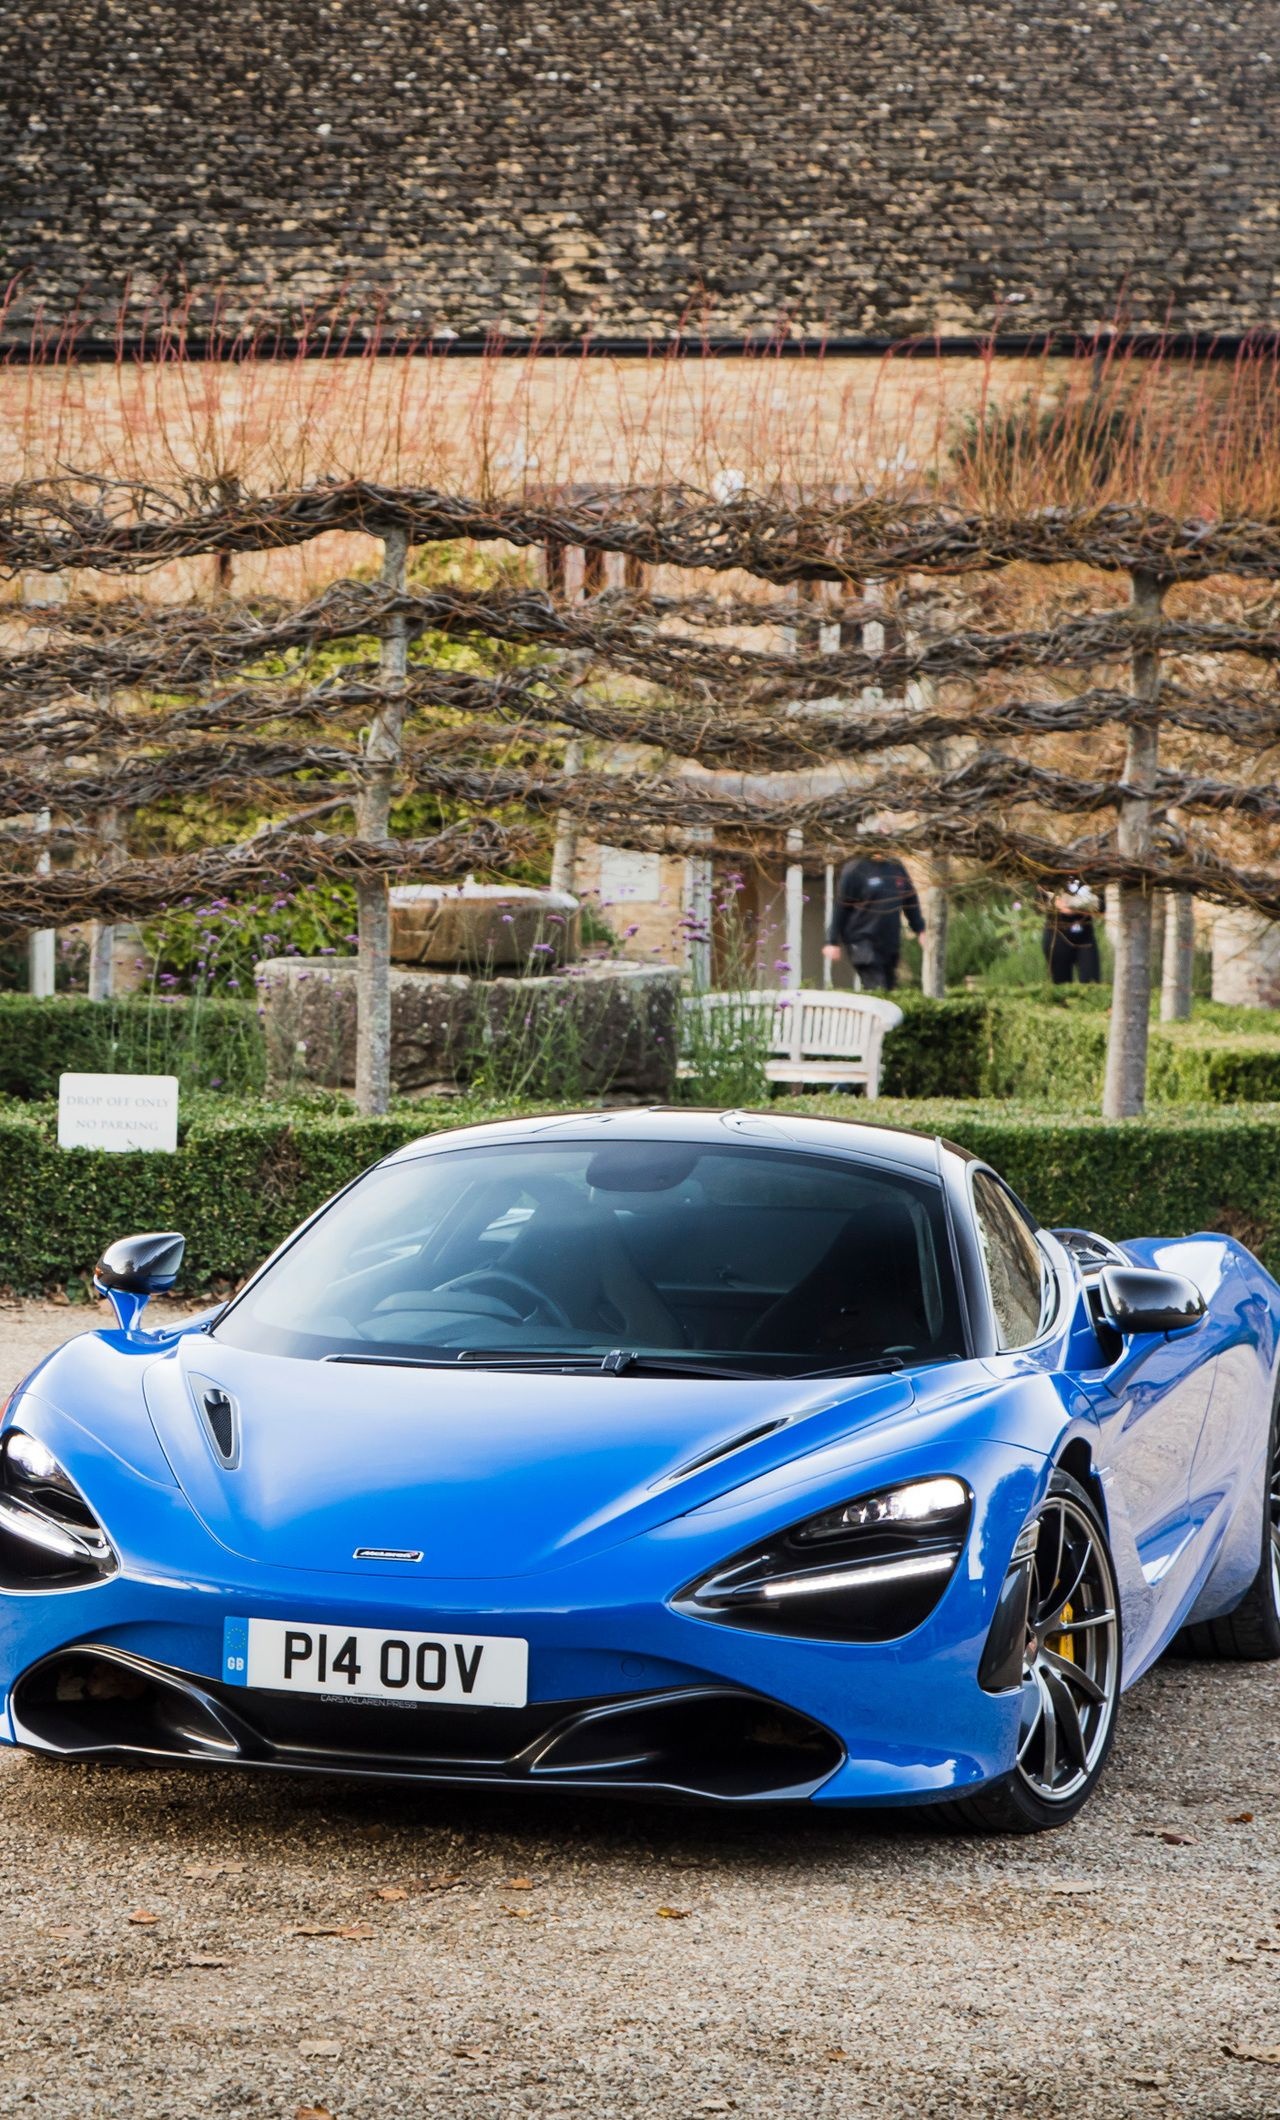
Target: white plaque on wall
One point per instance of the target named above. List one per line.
(118, 1111)
(629, 879)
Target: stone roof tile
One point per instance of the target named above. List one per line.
(867, 168)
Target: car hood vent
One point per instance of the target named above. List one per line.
(221, 1416)
(723, 1450)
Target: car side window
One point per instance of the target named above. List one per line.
(1015, 1266)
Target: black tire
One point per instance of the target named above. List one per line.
(1019, 1802)
(1250, 1634)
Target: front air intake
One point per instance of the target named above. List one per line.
(221, 1416)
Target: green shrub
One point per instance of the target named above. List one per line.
(725, 1050)
(1170, 1174)
(939, 1049)
(207, 1043)
(246, 1173)
(1038, 1055)
(213, 949)
(1051, 1050)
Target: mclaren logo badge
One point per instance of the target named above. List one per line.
(385, 1553)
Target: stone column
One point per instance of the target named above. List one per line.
(794, 948)
(1179, 950)
(42, 943)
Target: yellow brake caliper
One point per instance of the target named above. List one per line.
(1062, 1642)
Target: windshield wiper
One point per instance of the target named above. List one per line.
(621, 1361)
(882, 1364)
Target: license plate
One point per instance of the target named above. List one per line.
(365, 1663)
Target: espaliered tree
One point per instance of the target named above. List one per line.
(125, 702)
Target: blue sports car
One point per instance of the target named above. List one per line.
(716, 1456)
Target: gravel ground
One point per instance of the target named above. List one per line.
(178, 1944)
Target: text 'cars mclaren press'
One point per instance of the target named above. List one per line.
(708, 1455)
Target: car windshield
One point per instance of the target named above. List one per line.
(628, 1255)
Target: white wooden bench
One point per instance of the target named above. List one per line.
(810, 1035)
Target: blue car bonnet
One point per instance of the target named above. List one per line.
(487, 1473)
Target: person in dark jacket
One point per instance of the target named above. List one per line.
(1070, 940)
(872, 896)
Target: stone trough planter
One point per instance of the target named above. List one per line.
(611, 1027)
(482, 927)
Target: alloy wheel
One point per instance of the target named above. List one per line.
(1071, 1664)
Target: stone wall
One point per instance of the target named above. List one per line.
(635, 164)
(1246, 959)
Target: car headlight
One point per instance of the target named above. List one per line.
(869, 1570)
(49, 1536)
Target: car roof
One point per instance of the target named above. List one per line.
(916, 1152)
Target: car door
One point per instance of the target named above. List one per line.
(1150, 1396)
(1149, 1402)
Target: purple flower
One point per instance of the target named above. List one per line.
(233, 982)
(215, 1082)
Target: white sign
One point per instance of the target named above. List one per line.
(118, 1111)
(634, 879)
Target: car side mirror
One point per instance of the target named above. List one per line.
(1138, 1299)
(134, 1268)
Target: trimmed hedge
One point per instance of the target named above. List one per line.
(940, 1049)
(206, 1043)
(244, 1175)
(1046, 1047)
(1054, 1054)
(1181, 1170)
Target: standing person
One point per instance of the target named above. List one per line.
(866, 923)
(1069, 939)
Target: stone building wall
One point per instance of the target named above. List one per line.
(1246, 959)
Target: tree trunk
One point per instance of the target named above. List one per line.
(1125, 1088)
(564, 858)
(373, 812)
(933, 943)
(102, 934)
(1179, 949)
